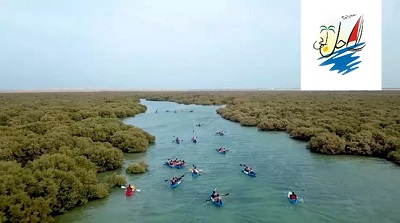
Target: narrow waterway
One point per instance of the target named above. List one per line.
(331, 188)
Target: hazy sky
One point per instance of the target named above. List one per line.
(162, 44)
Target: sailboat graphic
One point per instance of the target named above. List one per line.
(355, 35)
(341, 54)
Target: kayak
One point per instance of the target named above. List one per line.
(220, 133)
(177, 142)
(195, 175)
(221, 152)
(252, 174)
(175, 185)
(219, 203)
(175, 166)
(293, 201)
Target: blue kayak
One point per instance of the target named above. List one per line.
(175, 166)
(252, 173)
(175, 185)
(195, 175)
(219, 203)
(223, 152)
(293, 201)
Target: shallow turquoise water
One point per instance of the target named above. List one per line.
(331, 188)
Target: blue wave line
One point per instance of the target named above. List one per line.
(343, 63)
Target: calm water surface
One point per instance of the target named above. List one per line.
(330, 188)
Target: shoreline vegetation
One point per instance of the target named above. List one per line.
(137, 167)
(52, 145)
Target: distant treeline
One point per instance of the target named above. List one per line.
(53, 144)
(353, 123)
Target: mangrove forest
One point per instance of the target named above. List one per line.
(52, 145)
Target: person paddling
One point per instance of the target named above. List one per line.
(214, 194)
(195, 171)
(129, 189)
(175, 180)
(293, 196)
(217, 198)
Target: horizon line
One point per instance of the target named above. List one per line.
(165, 90)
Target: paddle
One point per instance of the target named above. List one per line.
(124, 187)
(197, 170)
(209, 199)
(179, 178)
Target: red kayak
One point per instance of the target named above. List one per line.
(129, 193)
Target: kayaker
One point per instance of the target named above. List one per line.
(217, 198)
(214, 194)
(129, 188)
(222, 149)
(247, 169)
(175, 179)
(181, 163)
(293, 196)
(195, 170)
(177, 139)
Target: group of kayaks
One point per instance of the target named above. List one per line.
(177, 140)
(195, 173)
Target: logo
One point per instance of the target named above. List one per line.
(339, 47)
